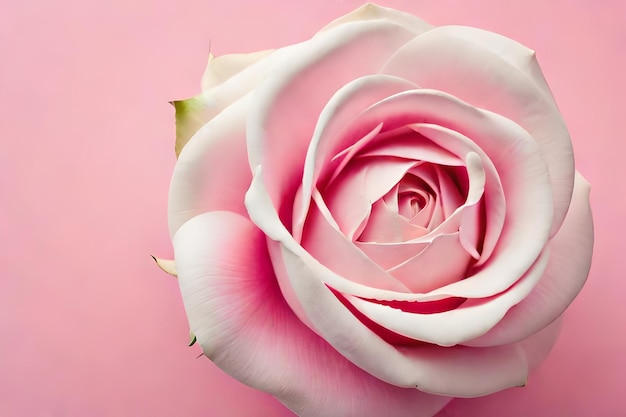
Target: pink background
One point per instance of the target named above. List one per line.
(90, 327)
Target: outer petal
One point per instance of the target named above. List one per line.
(537, 347)
(514, 53)
(212, 173)
(221, 68)
(566, 273)
(371, 11)
(226, 80)
(193, 113)
(455, 60)
(243, 325)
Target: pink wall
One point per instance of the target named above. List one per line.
(90, 327)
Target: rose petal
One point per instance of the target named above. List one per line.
(476, 180)
(345, 156)
(447, 195)
(454, 60)
(565, 275)
(385, 226)
(223, 67)
(523, 174)
(409, 144)
(263, 214)
(457, 371)
(324, 242)
(363, 181)
(350, 100)
(279, 132)
(353, 224)
(537, 346)
(372, 11)
(494, 199)
(424, 213)
(514, 53)
(444, 261)
(212, 173)
(195, 112)
(474, 318)
(389, 255)
(243, 325)
(379, 232)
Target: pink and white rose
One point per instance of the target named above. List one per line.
(388, 205)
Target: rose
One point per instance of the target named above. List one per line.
(385, 206)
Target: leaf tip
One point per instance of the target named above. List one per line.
(167, 266)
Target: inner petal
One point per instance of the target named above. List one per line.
(417, 200)
(405, 142)
(449, 187)
(324, 241)
(442, 262)
(474, 223)
(362, 182)
(476, 187)
(385, 225)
